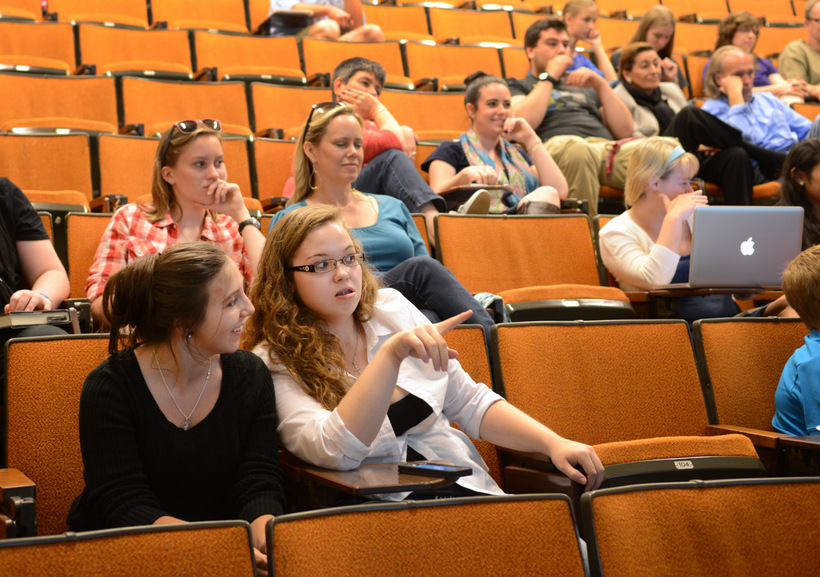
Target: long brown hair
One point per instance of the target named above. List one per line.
(295, 336)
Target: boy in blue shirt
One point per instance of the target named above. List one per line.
(797, 399)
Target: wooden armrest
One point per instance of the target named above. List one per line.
(133, 129)
(108, 203)
(319, 79)
(18, 515)
(273, 204)
(426, 84)
(758, 437)
(207, 74)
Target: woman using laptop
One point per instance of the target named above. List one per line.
(650, 244)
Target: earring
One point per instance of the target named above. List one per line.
(312, 177)
(801, 183)
(189, 335)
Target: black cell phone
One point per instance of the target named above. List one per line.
(434, 469)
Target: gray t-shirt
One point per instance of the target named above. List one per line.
(571, 110)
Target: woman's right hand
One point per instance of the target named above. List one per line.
(481, 174)
(426, 342)
(682, 206)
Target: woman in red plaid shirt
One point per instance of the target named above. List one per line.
(192, 200)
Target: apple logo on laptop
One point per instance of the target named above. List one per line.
(747, 247)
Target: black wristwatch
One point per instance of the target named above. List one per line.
(546, 76)
(250, 221)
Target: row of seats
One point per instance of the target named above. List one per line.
(636, 398)
(728, 528)
(787, 11)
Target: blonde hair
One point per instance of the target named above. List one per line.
(801, 284)
(575, 7)
(650, 160)
(303, 173)
(295, 336)
(710, 85)
(162, 193)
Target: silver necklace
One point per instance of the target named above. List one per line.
(356, 353)
(186, 424)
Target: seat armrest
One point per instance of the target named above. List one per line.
(758, 437)
(17, 509)
(108, 203)
(82, 307)
(273, 204)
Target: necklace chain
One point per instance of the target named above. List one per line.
(356, 353)
(186, 424)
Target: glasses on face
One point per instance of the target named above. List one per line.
(329, 265)
(321, 108)
(189, 127)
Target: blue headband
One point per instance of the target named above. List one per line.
(676, 153)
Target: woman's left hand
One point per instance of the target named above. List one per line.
(26, 300)
(566, 455)
(593, 38)
(260, 559)
(518, 130)
(226, 198)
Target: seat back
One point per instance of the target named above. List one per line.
(284, 107)
(430, 114)
(740, 361)
(616, 32)
(85, 103)
(397, 21)
(120, 50)
(471, 344)
(773, 39)
(274, 165)
(772, 10)
(45, 218)
(157, 104)
(511, 535)
(322, 56)
(126, 164)
(515, 61)
(47, 162)
(205, 548)
(128, 12)
(601, 382)
(733, 528)
(516, 251)
(449, 63)
(45, 376)
(470, 25)
(691, 37)
(233, 54)
(84, 231)
(46, 45)
(227, 15)
(31, 10)
(704, 9)
(421, 223)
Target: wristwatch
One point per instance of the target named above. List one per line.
(546, 76)
(250, 221)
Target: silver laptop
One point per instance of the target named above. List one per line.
(743, 246)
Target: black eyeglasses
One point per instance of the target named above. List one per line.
(189, 127)
(321, 108)
(329, 265)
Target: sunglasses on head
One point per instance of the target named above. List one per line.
(189, 127)
(321, 108)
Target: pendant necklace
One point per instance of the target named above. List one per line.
(186, 424)
(356, 353)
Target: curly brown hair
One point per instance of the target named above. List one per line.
(295, 336)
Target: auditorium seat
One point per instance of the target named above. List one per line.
(509, 535)
(273, 160)
(735, 528)
(771, 10)
(739, 363)
(629, 388)
(44, 48)
(21, 10)
(634, 9)
(773, 39)
(48, 162)
(692, 37)
(283, 107)
(520, 22)
(470, 26)
(43, 418)
(126, 164)
(515, 62)
(399, 22)
(82, 103)
(129, 13)
(225, 15)
(248, 58)
(149, 53)
(205, 548)
(703, 9)
(157, 104)
(432, 115)
(543, 267)
(322, 57)
(84, 231)
(445, 66)
(616, 32)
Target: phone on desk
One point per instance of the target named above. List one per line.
(434, 469)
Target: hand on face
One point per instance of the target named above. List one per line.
(225, 197)
(669, 70)
(593, 38)
(558, 65)
(682, 206)
(363, 103)
(730, 84)
(481, 174)
(425, 342)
